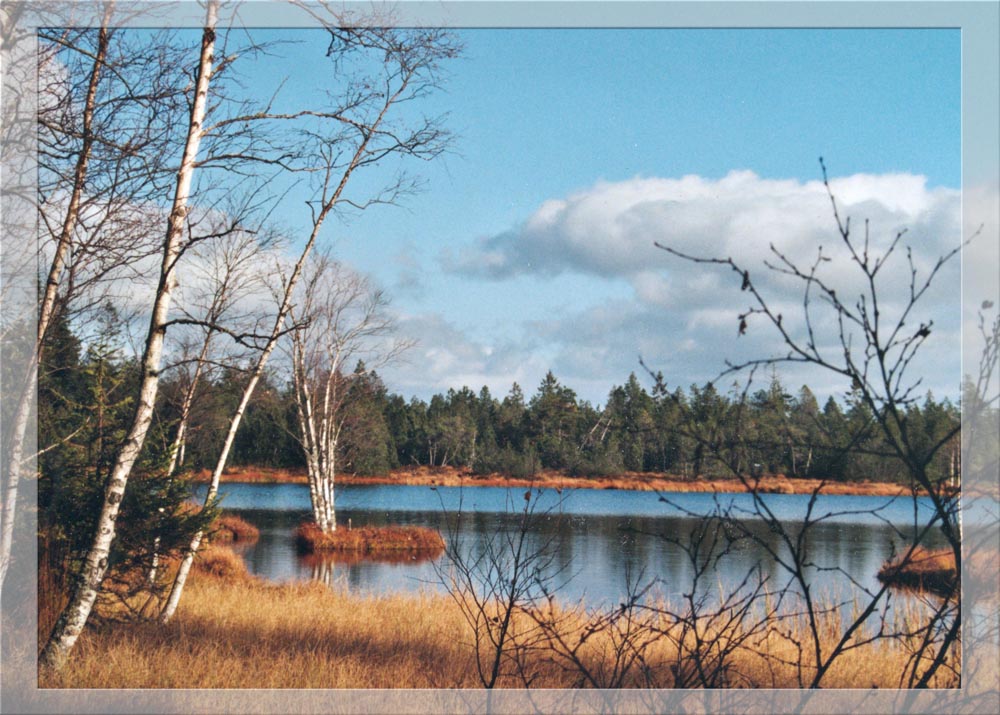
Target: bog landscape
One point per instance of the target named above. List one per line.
(379, 357)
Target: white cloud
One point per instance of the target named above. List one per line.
(609, 229)
(445, 357)
(683, 317)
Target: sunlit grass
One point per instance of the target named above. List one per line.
(236, 631)
(230, 527)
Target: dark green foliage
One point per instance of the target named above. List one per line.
(508, 461)
(553, 424)
(266, 437)
(698, 433)
(85, 404)
(365, 443)
(85, 407)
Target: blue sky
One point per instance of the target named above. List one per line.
(531, 246)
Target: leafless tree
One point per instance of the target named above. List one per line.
(601, 648)
(342, 319)
(359, 134)
(73, 618)
(708, 629)
(18, 104)
(104, 118)
(872, 346)
(496, 582)
(227, 279)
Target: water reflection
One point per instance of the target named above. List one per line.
(340, 569)
(594, 555)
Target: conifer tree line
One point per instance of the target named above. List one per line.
(659, 430)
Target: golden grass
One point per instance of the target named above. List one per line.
(551, 479)
(930, 570)
(238, 632)
(221, 562)
(230, 527)
(369, 539)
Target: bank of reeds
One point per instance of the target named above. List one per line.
(232, 631)
(230, 527)
(924, 570)
(309, 539)
(551, 479)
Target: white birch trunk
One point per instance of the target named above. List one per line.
(330, 200)
(180, 580)
(22, 413)
(75, 615)
(177, 448)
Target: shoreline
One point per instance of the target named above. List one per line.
(630, 481)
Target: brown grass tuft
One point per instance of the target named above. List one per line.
(369, 540)
(925, 570)
(221, 562)
(230, 527)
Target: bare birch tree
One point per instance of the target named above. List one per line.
(357, 134)
(73, 618)
(17, 262)
(227, 277)
(342, 319)
(15, 451)
(103, 121)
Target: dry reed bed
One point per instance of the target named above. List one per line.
(550, 479)
(925, 569)
(230, 527)
(226, 527)
(369, 540)
(235, 631)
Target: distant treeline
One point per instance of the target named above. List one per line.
(700, 431)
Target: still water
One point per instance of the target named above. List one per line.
(599, 539)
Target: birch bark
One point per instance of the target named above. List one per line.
(409, 68)
(73, 618)
(278, 328)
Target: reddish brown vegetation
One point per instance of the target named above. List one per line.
(370, 540)
(230, 527)
(928, 570)
(250, 634)
(221, 562)
(252, 475)
(635, 481)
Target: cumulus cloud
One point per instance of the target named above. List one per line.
(683, 317)
(609, 229)
(444, 356)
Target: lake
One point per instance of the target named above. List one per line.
(599, 539)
